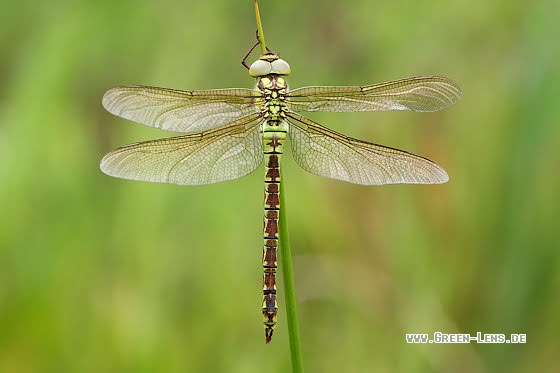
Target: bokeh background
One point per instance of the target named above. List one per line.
(106, 275)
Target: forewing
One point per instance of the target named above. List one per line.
(180, 111)
(219, 155)
(327, 153)
(423, 93)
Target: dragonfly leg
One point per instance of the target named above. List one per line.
(244, 61)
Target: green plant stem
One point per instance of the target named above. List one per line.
(289, 288)
(259, 28)
(285, 256)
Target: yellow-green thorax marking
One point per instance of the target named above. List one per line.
(269, 70)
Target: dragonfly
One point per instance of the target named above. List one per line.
(227, 133)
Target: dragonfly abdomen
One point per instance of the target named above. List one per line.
(274, 135)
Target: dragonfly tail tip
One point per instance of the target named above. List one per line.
(268, 336)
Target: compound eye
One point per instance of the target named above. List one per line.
(260, 68)
(281, 67)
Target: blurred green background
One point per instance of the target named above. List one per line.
(105, 275)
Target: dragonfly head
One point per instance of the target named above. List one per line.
(269, 63)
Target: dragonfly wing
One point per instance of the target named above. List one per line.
(423, 93)
(218, 155)
(327, 153)
(181, 111)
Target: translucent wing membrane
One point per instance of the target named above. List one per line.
(180, 111)
(327, 153)
(211, 157)
(425, 93)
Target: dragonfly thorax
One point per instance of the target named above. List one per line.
(274, 89)
(269, 63)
